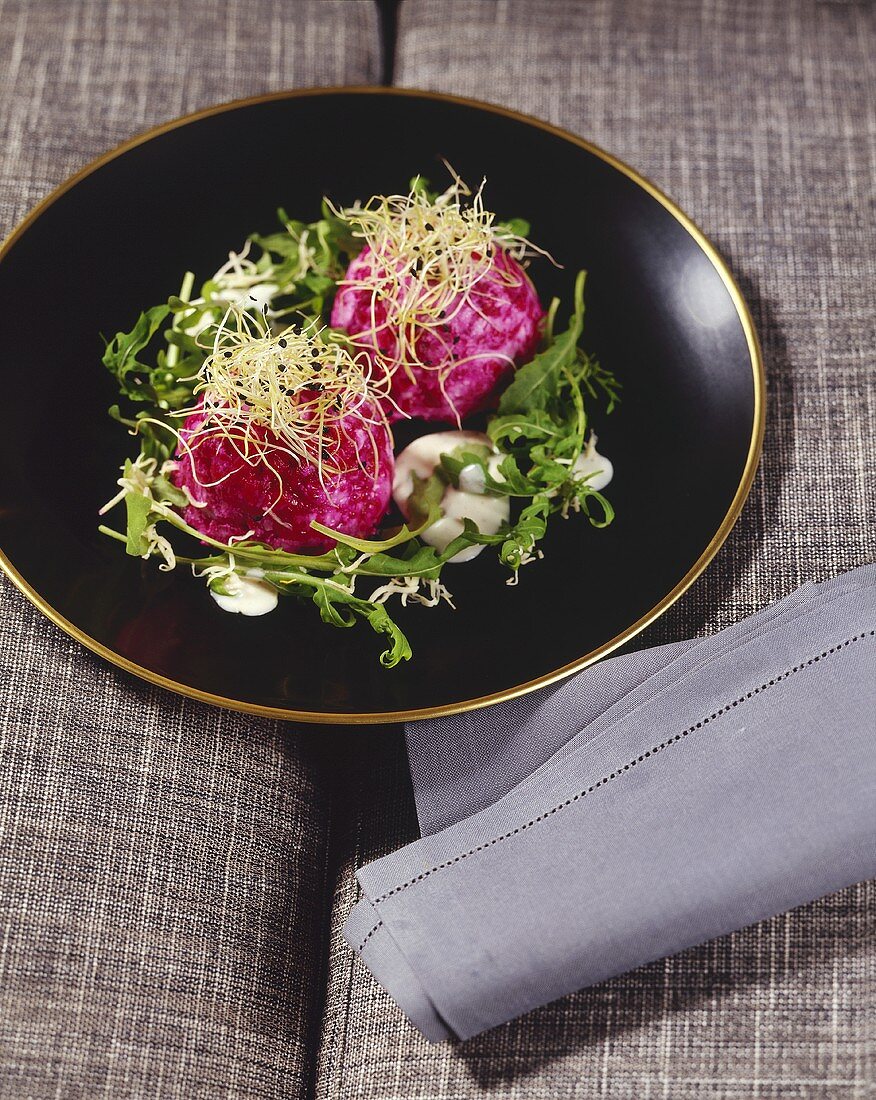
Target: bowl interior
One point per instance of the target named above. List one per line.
(658, 313)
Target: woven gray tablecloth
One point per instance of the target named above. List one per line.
(162, 863)
(165, 868)
(758, 118)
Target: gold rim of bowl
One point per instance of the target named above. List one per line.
(382, 717)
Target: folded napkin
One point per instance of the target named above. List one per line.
(654, 801)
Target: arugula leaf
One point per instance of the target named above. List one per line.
(515, 428)
(340, 608)
(399, 648)
(513, 227)
(419, 185)
(530, 527)
(121, 352)
(306, 261)
(328, 601)
(120, 356)
(467, 454)
(156, 437)
(597, 378)
(536, 383)
(366, 546)
(584, 495)
(425, 499)
(164, 490)
(512, 481)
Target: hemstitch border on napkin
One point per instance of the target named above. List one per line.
(616, 774)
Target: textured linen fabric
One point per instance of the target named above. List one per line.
(162, 884)
(758, 119)
(162, 863)
(80, 76)
(778, 1009)
(466, 762)
(462, 764)
(734, 783)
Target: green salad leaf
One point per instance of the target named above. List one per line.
(426, 496)
(537, 383)
(138, 510)
(306, 261)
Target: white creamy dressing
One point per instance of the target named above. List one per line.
(590, 461)
(250, 297)
(249, 595)
(469, 501)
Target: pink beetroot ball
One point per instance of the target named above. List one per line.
(353, 500)
(467, 360)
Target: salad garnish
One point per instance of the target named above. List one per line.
(430, 252)
(248, 372)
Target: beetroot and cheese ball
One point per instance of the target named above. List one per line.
(286, 432)
(275, 495)
(439, 301)
(466, 358)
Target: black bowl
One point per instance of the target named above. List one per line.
(662, 311)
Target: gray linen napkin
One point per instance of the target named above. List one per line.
(656, 800)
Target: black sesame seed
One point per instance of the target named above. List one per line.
(282, 342)
(227, 354)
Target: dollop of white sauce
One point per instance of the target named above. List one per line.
(248, 595)
(469, 501)
(590, 461)
(472, 479)
(251, 297)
